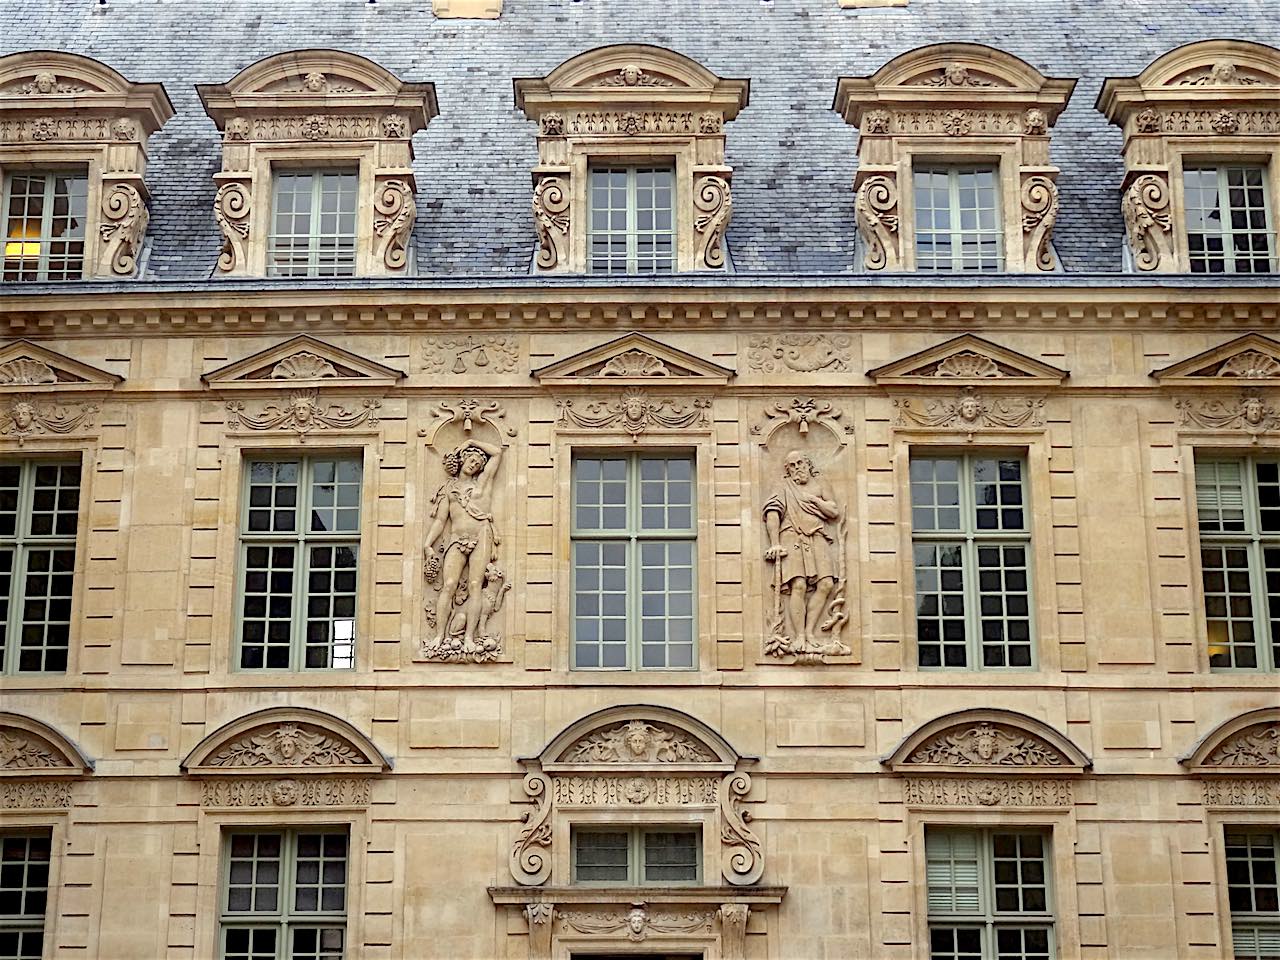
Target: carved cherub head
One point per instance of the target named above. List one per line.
(637, 920)
(984, 741)
(630, 74)
(970, 408)
(46, 82)
(23, 414)
(634, 407)
(303, 407)
(956, 74)
(1224, 71)
(637, 739)
(799, 468)
(315, 82)
(1252, 409)
(287, 737)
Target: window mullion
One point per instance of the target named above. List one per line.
(1224, 221)
(953, 203)
(633, 558)
(45, 239)
(301, 568)
(633, 220)
(969, 566)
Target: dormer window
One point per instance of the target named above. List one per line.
(632, 176)
(953, 161)
(73, 201)
(1202, 158)
(317, 177)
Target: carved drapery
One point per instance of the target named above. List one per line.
(876, 210)
(1250, 412)
(1148, 221)
(631, 101)
(23, 417)
(971, 411)
(305, 412)
(635, 412)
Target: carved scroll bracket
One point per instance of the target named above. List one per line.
(124, 222)
(468, 413)
(876, 210)
(232, 209)
(394, 211)
(1039, 213)
(1148, 221)
(551, 217)
(713, 206)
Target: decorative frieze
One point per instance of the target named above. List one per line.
(288, 743)
(635, 412)
(590, 791)
(286, 792)
(1236, 792)
(970, 410)
(34, 795)
(23, 417)
(1249, 412)
(987, 792)
(638, 742)
(801, 352)
(638, 922)
(471, 354)
(304, 413)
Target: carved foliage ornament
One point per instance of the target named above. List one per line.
(21, 751)
(1039, 212)
(1255, 746)
(802, 352)
(1232, 792)
(24, 417)
(969, 411)
(987, 792)
(304, 413)
(305, 792)
(288, 745)
(876, 210)
(638, 742)
(551, 218)
(27, 794)
(804, 412)
(953, 75)
(987, 744)
(1249, 412)
(124, 221)
(1148, 221)
(633, 75)
(394, 211)
(713, 206)
(635, 412)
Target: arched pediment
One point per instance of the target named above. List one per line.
(307, 72)
(279, 739)
(38, 81)
(1215, 63)
(640, 736)
(29, 748)
(1244, 744)
(971, 67)
(986, 740)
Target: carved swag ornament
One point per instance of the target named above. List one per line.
(23, 417)
(971, 411)
(1249, 412)
(635, 412)
(304, 413)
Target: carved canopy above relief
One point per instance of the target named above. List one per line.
(285, 740)
(961, 101)
(60, 108)
(638, 759)
(616, 104)
(986, 742)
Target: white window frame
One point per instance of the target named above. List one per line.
(631, 232)
(315, 236)
(45, 240)
(637, 865)
(986, 917)
(956, 233)
(971, 540)
(302, 539)
(1258, 924)
(26, 923)
(1253, 541)
(22, 543)
(285, 918)
(634, 536)
(1226, 232)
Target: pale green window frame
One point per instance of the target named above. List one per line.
(641, 847)
(25, 859)
(1237, 196)
(1252, 859)
(276, 925)
(58, 240)
(1235, 564)
(343, 604)
(314, 222)
(951, 234)
(997, 600)
(631, 219)
(972, 877)
(632, 542)
(37, 568)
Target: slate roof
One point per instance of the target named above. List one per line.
(793, 157)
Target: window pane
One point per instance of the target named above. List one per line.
(600, 857)
(1019, 867)
(670, 857)
(1251, 872)
(253, 884)
(957, 219)
(267, 614)
(45, 216)
(1005, 607)
(46, 609)
(331, 606)
(955, 943)
(321, 873)
(631, 220)
(313, 224)
(249, 943)
(1228, 606)
(952, 871)
(940, 604)
(1227, 219)
(24, 877)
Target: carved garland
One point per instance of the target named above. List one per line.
(288, 745)
(24, 417)
(635, 412)
(1250, 413)
(971, 411)
(303, 414)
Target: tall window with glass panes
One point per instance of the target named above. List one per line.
(971, 548)
(633, 545)
(313, 223)
(299, 550)
(45, 213)
(957, 221)
(1238, 512)
(1253, 891)
(24, 893)
(1229, 225)
(631, 226)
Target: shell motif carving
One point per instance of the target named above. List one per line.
(967, 365)
(635, 363)
(23, 371)
(1147, 221)
(303, 366)
(713, 206)
(395, 210)
(876, 210)
(1251, 365)
(988, 744)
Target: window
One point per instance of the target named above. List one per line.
(637, 856)
(958, 223)
(314, 223)
(284, 896)
(44, 235)
(24, 893)
(632, 220)
(1254, 893)
(633, 562)
(971, 546)
(1227, 228)
(989, 895)
(299, 542)
(39, 516)
(1238, 503)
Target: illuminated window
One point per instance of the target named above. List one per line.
(299, 543)
(632, 220)
(44, 225)
(314, 224)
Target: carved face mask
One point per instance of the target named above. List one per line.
(1252, 410)
(473, 462)
(969, 409)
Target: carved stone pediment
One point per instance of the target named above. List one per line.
(27, 367)
(632, 359)
(288, 740)
(1247, 744)
(302, 362)
(29, 748)
(968, 360)
(638, 741)
(986, 741)
(1253, 357)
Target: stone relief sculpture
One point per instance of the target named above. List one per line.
(288, 745)
(805, 527)
(803, 352)
(305, 412)
(23, 417)
(1249, 412)
(634, 412)
(987, 744)
(460, 558)
(1148, 221)
(638, 922)
(19, 752)
(1257, 746)
(970, 411)
(637, 742)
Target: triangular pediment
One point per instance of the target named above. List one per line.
(302, 362)
(29, 368)
(1250, 358)
(633, 359)
(968, 359)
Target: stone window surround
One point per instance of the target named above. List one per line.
(903, 119)
(1177, 111)
(696, 442)
(82, 114)
(590, 89)
(1032, 447)
(367, 119)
